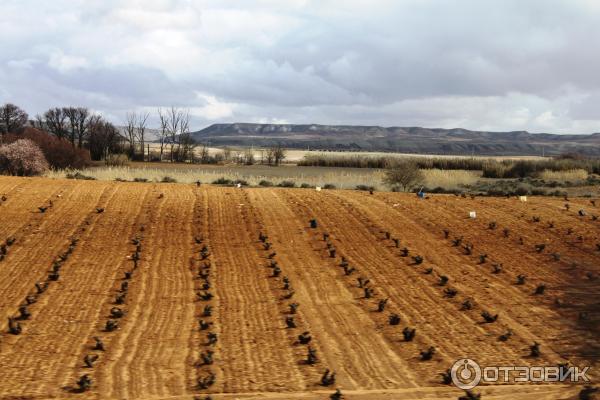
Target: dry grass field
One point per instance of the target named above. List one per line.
(343, 178)
(158, 259)
(296, 155)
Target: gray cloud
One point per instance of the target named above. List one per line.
(503, 64)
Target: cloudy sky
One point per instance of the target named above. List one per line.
(479, 64)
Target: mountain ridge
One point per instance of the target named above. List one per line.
(458, 141)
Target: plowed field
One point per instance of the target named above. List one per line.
(157, 291)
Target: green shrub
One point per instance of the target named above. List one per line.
(116, 160)
(306, 186)
(522, 190)
(265, 183)
(593, 180)
(491, 168)
(365, 187)
(79, 175)
(438, 189)
(287, 184)
(558, 193)
(538, 192)
(222, 181)
(329, 186)
(140, 179)
(381, 162)
(494, 170)
(168, 179)
(497, 192)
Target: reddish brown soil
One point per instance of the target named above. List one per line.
(156, 350)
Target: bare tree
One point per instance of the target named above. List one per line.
(184, 124)
(78, 118)
(237, 157)
(185, 142)
(81, 122)
(55, 121)
(279, 154)
(275, 155)
(94, 119)
(69, 113)
(186, 146)
(270, 156)
(163, 134)
(141, 131)
(104, 138)
(174, 117)
(404, 175)
(249, 157)
(177, 125)
(226, 153)
(204, 154)
(12, 118)
(130, 132)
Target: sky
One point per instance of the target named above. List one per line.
(499, 65)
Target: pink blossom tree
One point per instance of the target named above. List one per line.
(22, 158)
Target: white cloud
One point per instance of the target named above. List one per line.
(213, 109)
(499, 64)
(26, 63)
(65, 63)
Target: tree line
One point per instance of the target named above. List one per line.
(84, 129)
(87, 131)
(77, 126)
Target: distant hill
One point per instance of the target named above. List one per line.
(398, 139)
